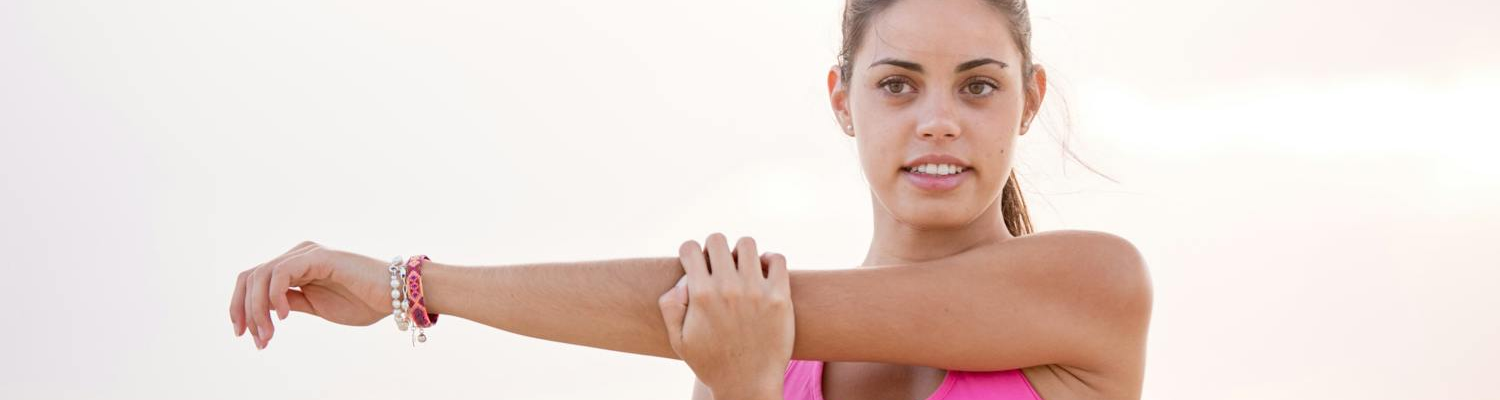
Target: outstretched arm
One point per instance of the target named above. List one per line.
(1074, 298)
(608, 304)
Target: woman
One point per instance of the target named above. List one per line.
(956, 298)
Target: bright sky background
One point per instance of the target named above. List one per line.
(1312, 182)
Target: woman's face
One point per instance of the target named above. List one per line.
(939, 79)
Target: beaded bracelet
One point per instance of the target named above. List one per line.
(399, 304)
(418, 311)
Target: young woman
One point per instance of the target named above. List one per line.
(956, 298)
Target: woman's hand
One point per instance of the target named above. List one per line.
(730, 318)
(341, 287)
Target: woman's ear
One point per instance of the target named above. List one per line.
(1034, 96)
(838, 97)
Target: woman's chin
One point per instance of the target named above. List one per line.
(928, 218)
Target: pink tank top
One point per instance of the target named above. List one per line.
(804, 381)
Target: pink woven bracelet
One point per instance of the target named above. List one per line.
(418, 313)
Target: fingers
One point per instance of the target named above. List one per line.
(719, 259)
(693, 263)
(674, 304)
(776, 274)
(750, 267)
(747, 260)
(245, 303)
(260, 320)
(237, 304)
(281, 281)
(260, 294)
(252, 295)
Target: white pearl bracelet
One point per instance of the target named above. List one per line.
(399, 303)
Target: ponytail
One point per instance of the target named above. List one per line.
(1013, 208)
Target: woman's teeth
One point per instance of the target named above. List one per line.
(936, 169)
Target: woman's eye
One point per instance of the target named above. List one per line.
(979, 88)
(895, 86)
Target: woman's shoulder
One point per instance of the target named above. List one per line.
(1102, 263)
(1076, 247)
(1101, 275)
(1075, 237)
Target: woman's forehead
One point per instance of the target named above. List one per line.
(939, 32)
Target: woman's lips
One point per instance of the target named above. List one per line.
(936, 183)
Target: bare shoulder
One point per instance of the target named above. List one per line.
(1082, 242)
(1097, 254)
(1108, 278)
(1100, 263)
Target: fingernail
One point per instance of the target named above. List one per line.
(281, 316)
(681, 281)
(262, 330)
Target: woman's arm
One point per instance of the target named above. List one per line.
(1074, 298)
(608, 304)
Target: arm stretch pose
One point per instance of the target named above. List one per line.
(956, 299)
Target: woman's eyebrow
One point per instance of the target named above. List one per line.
(975, 63)
(967, 65)
(899, 63)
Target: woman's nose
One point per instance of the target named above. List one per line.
(938, 120)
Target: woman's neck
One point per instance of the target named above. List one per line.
(897, 242)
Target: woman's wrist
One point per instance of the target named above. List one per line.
(766, 391)
(750, 386)
(440, 285)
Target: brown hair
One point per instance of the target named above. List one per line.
(857, 14)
